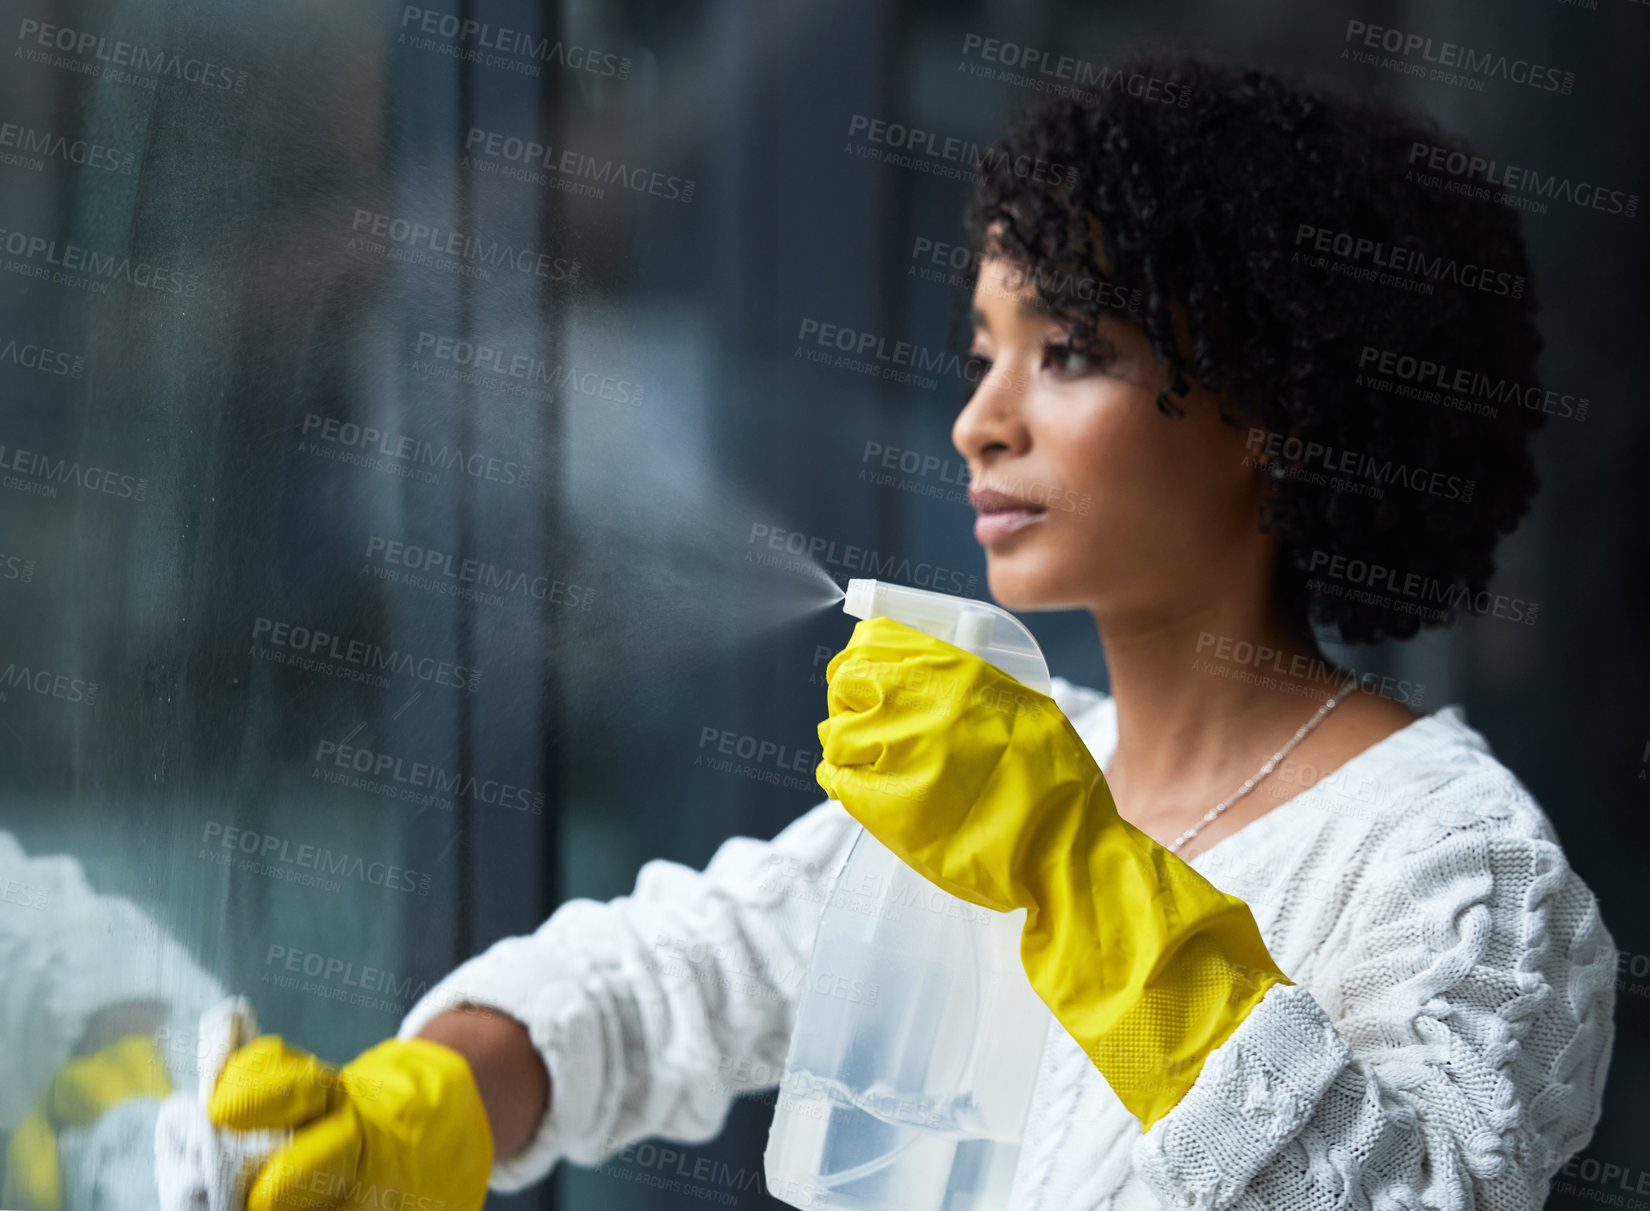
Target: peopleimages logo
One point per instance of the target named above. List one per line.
(41, 474)
(1295, 673)
(946, 479)
(528, 371)
(438, 565)
(969, 157)
(334, 1189)
(1419, 51)
(39, 357)
(112, 56)
(341, 980)
(1313, 461)
(864, 344)
(369, 660)
(527, 155)
(91, 265)
(24, 895)
(418, 782)
(44, 143)
(1491, 180)
(268, 848)
(432, 239)
(1063, 75)
(484, 36)
(1381, 580)
(1382, 256)
(47, 684)
(959, 265)
(16, 567)
(1425, 373)
(662, 1157)
(1592, 1172)
(408, 451)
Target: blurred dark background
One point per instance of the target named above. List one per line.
(277, 315)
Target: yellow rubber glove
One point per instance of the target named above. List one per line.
(79, 1094)
(982, 786)
(402, 1125)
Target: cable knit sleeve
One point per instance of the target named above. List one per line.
(1453, 1053)
(653, 1011)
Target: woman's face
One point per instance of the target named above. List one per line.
(1125, 510)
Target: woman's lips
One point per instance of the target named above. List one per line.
(993, 527)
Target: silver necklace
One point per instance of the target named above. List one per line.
(1301, 733)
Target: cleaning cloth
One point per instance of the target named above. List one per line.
(199, 1166)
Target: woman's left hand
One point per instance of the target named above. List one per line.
(984, 788)
(959, 769)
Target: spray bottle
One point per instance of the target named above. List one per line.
(917, 1034)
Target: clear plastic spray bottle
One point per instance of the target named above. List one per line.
(917, 1035)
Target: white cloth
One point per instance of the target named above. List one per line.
(199, 1167)
(1444, 1044)
(109, 1165)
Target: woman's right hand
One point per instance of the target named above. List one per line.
(404, 1120)
(514, 1083)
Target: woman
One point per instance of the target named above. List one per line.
(1201, 329)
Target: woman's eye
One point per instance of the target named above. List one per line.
(978, 367)
(1064, 360)
(1067, 360)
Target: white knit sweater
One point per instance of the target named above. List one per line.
(1444, 1044)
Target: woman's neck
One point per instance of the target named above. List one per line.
(1203, 698)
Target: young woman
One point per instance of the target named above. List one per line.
(1203, 337)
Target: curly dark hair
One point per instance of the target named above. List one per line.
(1316, 280)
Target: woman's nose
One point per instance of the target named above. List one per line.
(992, 417)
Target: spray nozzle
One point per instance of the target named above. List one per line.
(988, 631)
